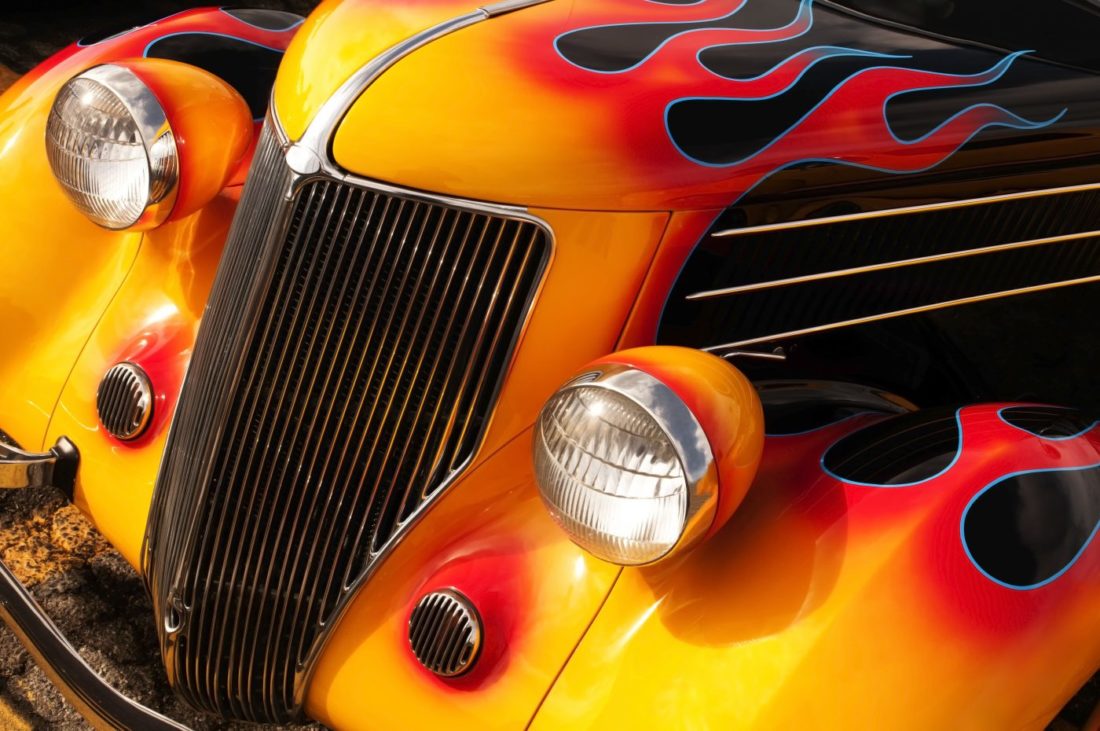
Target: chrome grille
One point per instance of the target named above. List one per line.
(344, 373)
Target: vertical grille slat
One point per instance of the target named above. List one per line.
(222, 609)
(347, 365)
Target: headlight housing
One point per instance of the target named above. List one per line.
(110, 146)
(648, 452)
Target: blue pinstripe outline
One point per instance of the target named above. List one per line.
(1001, 67)
(805, 8)
(839, 52)
(941, 473)
(999, 480)
(145, 52)
(1079, 434)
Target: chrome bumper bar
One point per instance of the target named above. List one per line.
(56, 468)
(97, 701)
(101, 704)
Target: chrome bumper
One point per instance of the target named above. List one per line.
(55, 468)
(102, 705)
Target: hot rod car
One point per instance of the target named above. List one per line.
(571, 364)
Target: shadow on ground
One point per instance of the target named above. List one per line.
(99, 603)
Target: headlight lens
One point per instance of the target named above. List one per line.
(111, 148)
(624, 467)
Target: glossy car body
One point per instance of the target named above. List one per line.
(787, 183)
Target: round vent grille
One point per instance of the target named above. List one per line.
(125, 401)
(445, 633)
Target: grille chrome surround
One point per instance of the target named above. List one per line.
(445, 633)
(124, 401)
(352, 350)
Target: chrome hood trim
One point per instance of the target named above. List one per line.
(311, 153)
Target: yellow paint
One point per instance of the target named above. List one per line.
(161, 302)
(781, 623)
(59, 269)
(494, 519)
(337, 39)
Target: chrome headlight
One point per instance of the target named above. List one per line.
(111, 148)
(624, 467)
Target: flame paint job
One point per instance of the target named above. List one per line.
(151, 321)
(1025, 530)
(492, 539)
(818, 578)
(489, 536)
(811, 578)
(141, 41)
(628, 104)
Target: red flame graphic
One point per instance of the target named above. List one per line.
(849, 126)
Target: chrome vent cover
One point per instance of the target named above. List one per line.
(445, 633)
(124, 401)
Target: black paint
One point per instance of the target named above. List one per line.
(898, 451)
(767, 256)
(1027, 528)
(795, 407)
(615, 48)
(729, 131)
(1048, 422)
(247, 67)
(1063, 31)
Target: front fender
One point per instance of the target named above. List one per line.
(830, 599)
(60, 269)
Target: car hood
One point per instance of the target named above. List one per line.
(647, 105)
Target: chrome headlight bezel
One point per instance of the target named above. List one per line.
(150, 122)
(683, 433)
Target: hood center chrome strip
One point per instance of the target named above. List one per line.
(310, 154)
